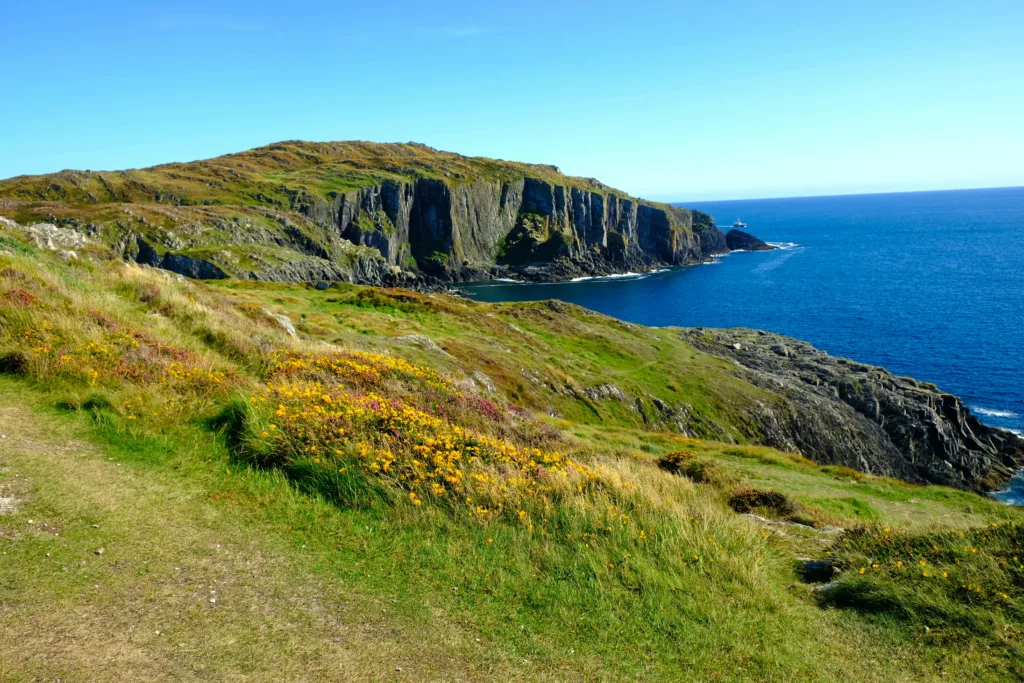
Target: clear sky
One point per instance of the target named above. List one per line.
(669, 100)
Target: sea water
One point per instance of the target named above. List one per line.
(925, 284)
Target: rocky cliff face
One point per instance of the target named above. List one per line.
(525, 227)
(837, 411)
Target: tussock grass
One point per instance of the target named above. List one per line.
(961, 588)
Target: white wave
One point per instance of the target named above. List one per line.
(1009, 498)
(618, 276)
(783, 246)
(992, 412)
(613, 276)
(1017, 432)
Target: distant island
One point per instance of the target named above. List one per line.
(368, 213)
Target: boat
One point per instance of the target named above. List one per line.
(739, 224)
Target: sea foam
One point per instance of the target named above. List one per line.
(618, 276)
(992, 412)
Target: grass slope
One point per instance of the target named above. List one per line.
(274, 173)
(499, 542)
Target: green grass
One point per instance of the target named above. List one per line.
(639, 574)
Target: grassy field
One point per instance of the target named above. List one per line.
(407, 489)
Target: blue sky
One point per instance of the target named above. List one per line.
(670, 100)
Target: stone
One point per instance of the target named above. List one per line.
(605, 392)
(817, 571)
(284, 321)
(485, 381)
(424, 342)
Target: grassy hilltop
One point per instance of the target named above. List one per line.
(361, 212)
(274, 175)
(241, 480)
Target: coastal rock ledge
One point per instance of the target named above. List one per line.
(737, 240)
(839, 412)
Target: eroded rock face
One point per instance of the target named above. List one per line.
(836, 411)
(197, 268)
(48, 236)
(738, 240)
(526, 228)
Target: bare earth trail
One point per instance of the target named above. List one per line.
(109, 573)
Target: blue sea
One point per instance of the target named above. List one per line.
(926, 284)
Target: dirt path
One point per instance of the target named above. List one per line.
(110, 573)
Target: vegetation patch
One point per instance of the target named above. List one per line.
(956, 586)
(746, 500)
(337, 419)
(698, 469)
(14, 245)
(13, 363)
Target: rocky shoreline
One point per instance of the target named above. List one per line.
(840, 412)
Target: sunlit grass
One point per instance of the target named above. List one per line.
(567, 533)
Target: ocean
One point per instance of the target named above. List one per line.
(925, 284)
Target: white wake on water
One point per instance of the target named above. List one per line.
(992, 412)
(617, 276)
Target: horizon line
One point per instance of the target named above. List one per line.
(681, 203)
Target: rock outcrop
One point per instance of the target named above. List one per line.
(526, 227)
(837, 411)
(737, 240)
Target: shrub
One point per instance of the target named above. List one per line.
(13, 363)
(700, 470)
(149, 292)
(355, 443)
(356, 369)
(746, 499)
(19, 298)
(674, 462)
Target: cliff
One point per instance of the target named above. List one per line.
(364, 212)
